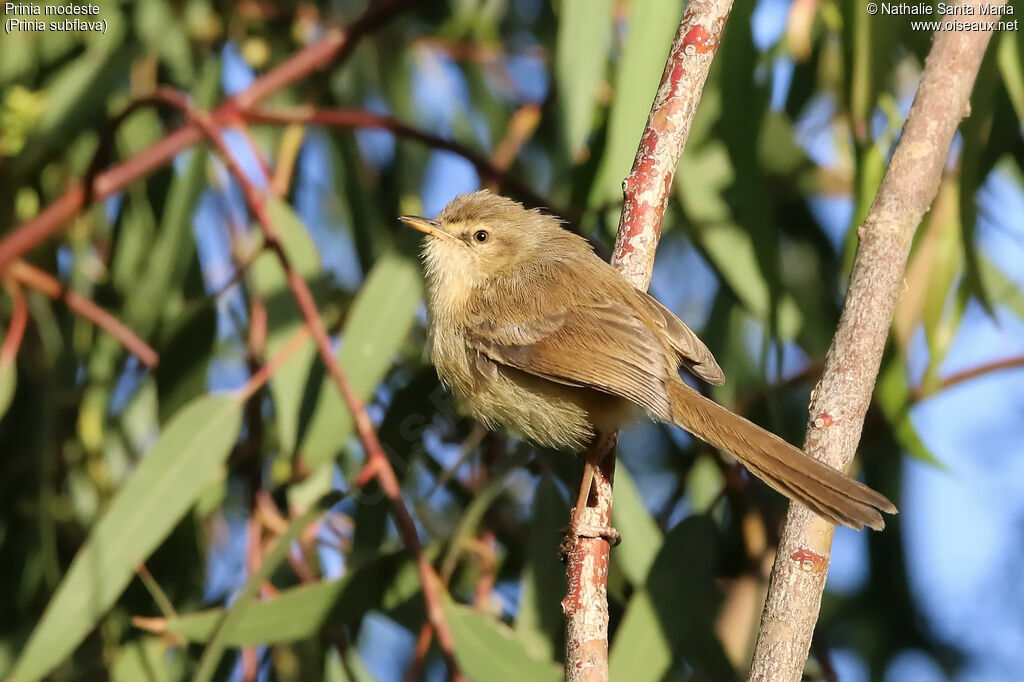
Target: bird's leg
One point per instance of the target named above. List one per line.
(587, 521)
(585, 493)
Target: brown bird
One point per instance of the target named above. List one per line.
(533, 331)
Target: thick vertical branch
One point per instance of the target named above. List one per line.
(841, 398)
(647, 187)
(645, 191)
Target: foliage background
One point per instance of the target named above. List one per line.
(104, 459)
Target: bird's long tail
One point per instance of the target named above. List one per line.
(827, 492)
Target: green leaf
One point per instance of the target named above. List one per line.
(79, 90)
(1010, 55)
(581, 57)
(292, 615)
(704, 483)
(641, 650)
(284, 318)
(540, 624)
(235, 615)
(186, 349)
(652, 25)
(673, 615)
(352, 669)
(146, 660)
(8, 384)
(140, 130)
(871, 164)
(732, 252)
(188, 456)
(892, 394)
(946, 268)
(375, 329)
(978, 156)
(747, 126)
(1002, 289)
(173, 250)
(703, 178)
(641, 537)
(298, 612)
(487, 649)
(268, 277)
(470, 519)
(871, 45)
(162, 32)
(133, 241)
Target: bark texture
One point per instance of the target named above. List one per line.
(841, 398)
(645, 191)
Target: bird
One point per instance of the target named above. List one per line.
(532, 331)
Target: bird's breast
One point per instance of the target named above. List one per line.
(548, 413)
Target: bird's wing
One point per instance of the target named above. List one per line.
(603, 345)
(694, 355)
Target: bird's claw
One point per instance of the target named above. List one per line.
(576, 531)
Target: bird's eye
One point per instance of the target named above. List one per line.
(480, 236)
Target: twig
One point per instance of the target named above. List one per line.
(920, 393)
(233, 614)
(364, 428)
(844, 392)
(16, 329)
(163, 602)
(522, 125)
(253, 559)
(251, 447)
(419, 653)
(481, 52)
(287, 154)
(335, 45)
(261, 160)
(645, 191)
(34, 278)
(262, 376)
(810, 372)
(360, 118)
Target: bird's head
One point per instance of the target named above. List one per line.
(482, 235)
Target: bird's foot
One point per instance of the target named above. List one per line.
(576, 531)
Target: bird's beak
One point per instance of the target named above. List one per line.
(428, 227)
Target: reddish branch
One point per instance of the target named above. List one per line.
(359, 118)
(843, 394)
(645, 191)
(647, 188)
(335, 45)
(262, 376)
(381, 466)
(34, 278)
(1014, 362)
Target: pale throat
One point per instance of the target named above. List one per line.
(451, 276)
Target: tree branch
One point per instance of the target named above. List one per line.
(34, 278)
(645, 191)
(843, 394)
(16, 329)
(335, 45)
(383, 471)
(360, 118)
(1013, 362)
